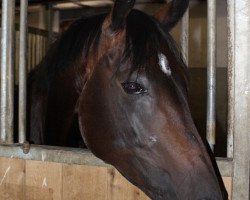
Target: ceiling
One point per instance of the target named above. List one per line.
(76, 4)
(71, 4)
(83, 5)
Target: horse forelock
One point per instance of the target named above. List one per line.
(147, 39)
(144, 37)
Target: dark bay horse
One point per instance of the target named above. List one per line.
(120, 80)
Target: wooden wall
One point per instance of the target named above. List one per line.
(37, 180)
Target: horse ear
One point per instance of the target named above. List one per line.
(117, 18)
(170, 13)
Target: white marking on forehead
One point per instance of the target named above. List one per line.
(152, 140)
(163, 62)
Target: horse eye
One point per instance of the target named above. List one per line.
(133, 88)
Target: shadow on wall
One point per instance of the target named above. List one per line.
(198, 104)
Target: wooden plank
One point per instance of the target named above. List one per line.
(33, 54)
(122, 189)
(43, 180)
(84, 182)
(11, 178)
(228, 184)
(97, 183)
(29, 51)
(54, 181)
(17, 44)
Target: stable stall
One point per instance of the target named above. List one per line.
(42, 172)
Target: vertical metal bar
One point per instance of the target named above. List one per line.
(50, 23)
(37, 49)
(185, 36)
(45, 45)
(33, 53)
(241, 154)
(40, 48)
(22, 72)
(29, 51)
(230, 77)
(17, 36)
(7, 71)
(211, 72)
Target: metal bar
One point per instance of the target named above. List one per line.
(230, 77)
(33, 52)
(7, 71)
(76, 156)
(50, 22)
(241, 185)
(211, 72)
(185, 36)
(37, 49)
(22, 72)
(52, 154)
(40, 48)
(29, 51)
(17, 36)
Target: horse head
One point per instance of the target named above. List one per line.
(133, 109)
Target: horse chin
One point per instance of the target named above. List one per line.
(199, 183)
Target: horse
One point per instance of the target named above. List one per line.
(119, 80)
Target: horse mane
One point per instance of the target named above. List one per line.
(143, 35)
(68, 49)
